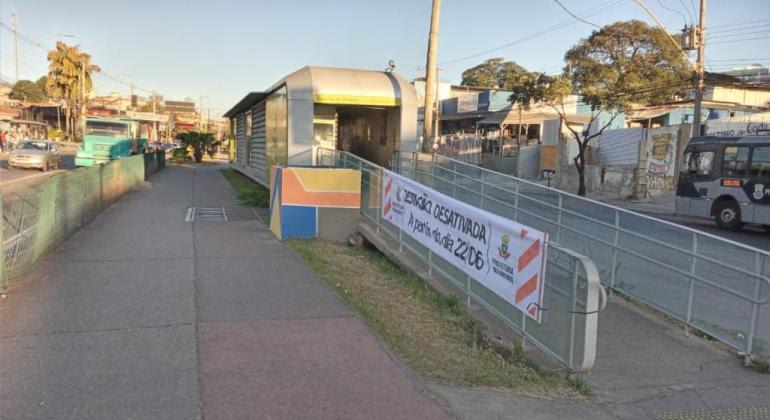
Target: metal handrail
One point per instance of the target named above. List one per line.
(440, 168)
(594, 301)
(620, 209)
(623, 230)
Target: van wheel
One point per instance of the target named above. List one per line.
(727, 214)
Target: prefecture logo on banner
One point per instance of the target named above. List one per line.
(502, 255)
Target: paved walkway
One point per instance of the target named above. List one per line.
(140, 315)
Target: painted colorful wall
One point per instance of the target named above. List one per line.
(314, 202)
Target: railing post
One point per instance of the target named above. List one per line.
(430, 263)
(575, 278)
(468, 291)
(483, 189)
(558, 220)
(688, 318)
(516, 203)
(378, 203)
(615, 245)
(454, 179)
(754, 309)
(2, 247)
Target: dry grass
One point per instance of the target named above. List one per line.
(430, 332)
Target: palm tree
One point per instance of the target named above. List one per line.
(200, 143)
(68, 67)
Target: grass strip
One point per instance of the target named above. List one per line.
(250, 193)
(430, 332)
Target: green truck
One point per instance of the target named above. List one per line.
(107, 139)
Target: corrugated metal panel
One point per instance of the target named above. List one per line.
(258, 162)
(240, 137)
(619, 147)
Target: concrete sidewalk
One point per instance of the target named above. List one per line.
(141, 315)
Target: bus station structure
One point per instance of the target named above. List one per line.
(368, 113)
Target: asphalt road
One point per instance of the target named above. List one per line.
(32, 176)
(751, 235)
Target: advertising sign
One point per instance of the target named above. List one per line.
(468, 103)
(504, 256)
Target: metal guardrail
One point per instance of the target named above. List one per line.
(712, 284)
(38, 217)
(572, 297)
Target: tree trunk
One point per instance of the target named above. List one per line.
(581, 169)
(67, 121)
(198, 155)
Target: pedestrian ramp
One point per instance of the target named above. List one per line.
(710, 284)
(563, 323)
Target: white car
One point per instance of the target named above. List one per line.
(40, 154)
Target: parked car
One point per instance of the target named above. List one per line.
(40, 154)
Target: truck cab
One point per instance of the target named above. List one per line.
(108, 139)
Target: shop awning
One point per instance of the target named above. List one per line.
(512, 117)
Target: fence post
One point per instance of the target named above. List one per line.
(754, 310)
(688, 317)
(575, 279)
(516, 203)
(615, 245)
(483, 189)
(2, 247)
(558, 220)
(454, 179)
(468, 291)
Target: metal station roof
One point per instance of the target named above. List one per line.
(248, 101)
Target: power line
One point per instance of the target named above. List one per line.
(739, 23)
(576, 17)
(742, 59)
(744, 28)
(740, 40)
(601, 8)
(686, 9)
(684, 19)
(46, 49)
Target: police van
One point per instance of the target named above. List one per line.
(727, 178)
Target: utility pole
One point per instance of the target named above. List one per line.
(431, 77)
(700, 72)
(82, 99)
(154, 116)
(15, 44)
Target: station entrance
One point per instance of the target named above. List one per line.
(371, 133)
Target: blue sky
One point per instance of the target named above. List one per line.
(223, 49)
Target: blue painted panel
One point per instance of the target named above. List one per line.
(298, 222)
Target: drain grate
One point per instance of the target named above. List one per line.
(220, 214)
(212, 214)
(737, 413)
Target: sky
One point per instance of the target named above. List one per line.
(220, 50)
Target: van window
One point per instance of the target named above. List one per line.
(760, 162)
(735, 162)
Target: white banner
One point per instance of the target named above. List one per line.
(504, 256)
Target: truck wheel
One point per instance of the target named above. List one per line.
(727, 214)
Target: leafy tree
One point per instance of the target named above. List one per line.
(66, 66)
(621, 64)
(493, 72)
(200, 143)
(42, 83)
(26, 90)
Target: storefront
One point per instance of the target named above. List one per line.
(369, 113)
